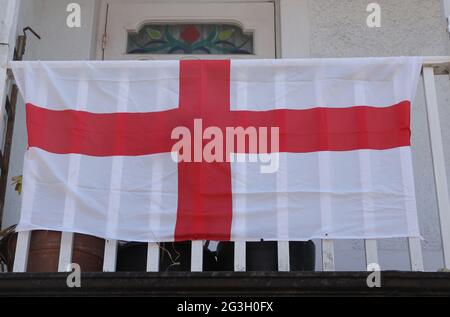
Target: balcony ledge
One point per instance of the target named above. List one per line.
(226, 284)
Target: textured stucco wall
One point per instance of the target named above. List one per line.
(408, 27)
(337, 29)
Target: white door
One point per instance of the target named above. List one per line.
(188, 30)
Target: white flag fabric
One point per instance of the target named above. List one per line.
(102, 156)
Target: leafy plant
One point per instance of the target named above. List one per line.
(5, 238)
(17, 182)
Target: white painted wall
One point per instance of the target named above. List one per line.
(48, 19)
(336, 29)
(8, 21)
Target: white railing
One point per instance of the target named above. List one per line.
(431, 67)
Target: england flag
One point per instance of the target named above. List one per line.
(244, 150)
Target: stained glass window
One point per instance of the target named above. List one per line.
(190, 39)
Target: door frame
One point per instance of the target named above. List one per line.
(291, 24)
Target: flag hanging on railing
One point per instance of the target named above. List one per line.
(220, 150)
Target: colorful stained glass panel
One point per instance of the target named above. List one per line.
(223, 39)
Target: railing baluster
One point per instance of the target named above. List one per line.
(240, 248)
(65, 251)
(371, 251)
(197, 256)
(437, 152)
(153, 257)
(22, 248)
(328, 256)
(110, 258)
(283, 256)
(415, 254)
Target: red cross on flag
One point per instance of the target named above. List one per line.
(220, 150)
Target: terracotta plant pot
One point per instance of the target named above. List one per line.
(43, 254)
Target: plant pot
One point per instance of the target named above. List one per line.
(174, 256)
(263, 256)
(44, 249)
